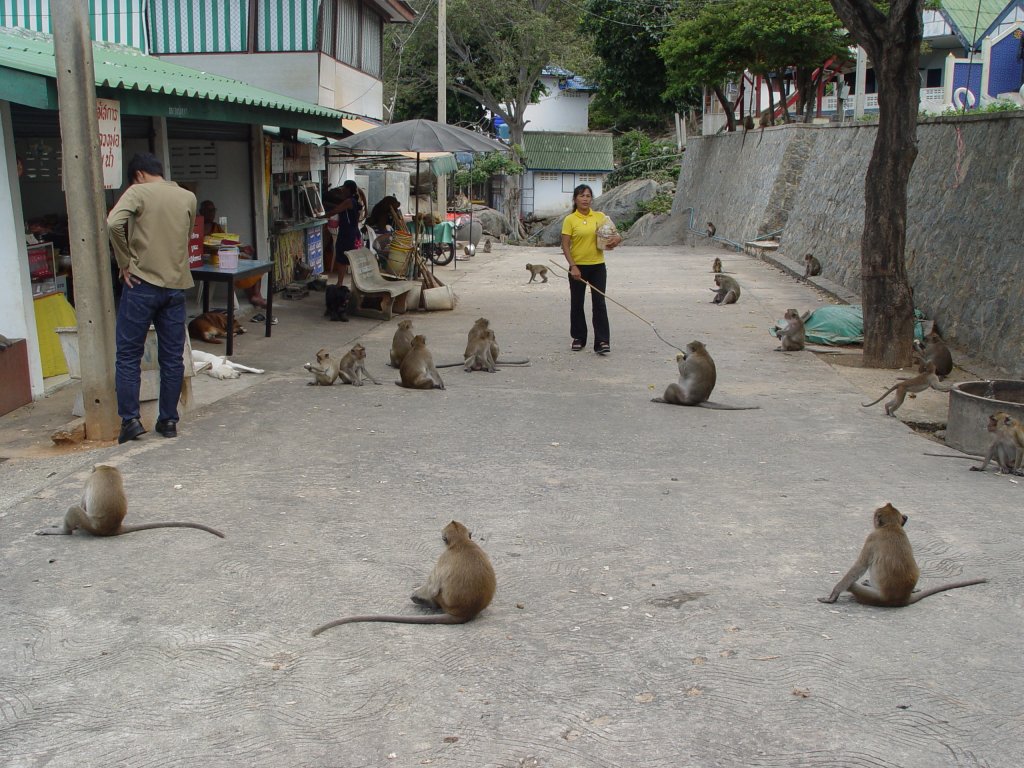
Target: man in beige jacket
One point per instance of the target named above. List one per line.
(149, 229)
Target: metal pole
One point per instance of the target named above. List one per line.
(83, 185)
(442, 94)
(859, 98)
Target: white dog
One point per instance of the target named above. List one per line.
(219, 367)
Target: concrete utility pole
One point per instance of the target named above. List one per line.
(87, 221)
(860, 83)
(442, 90)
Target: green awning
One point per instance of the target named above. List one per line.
(579, 152)
(148, 86)
(443, 164)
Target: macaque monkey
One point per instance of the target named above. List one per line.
(792, 336)
(919, 383)
(748, 122)
(537, 269)
(481, 328)
(462, 584)
(697, 377)
(813, 268)
(935, 351)
(716, 265)
(487, 245)
(212, 327)
(103, 508)
(728, 291)
(352, 367)
(711, 230)
(401, 342)
(417, 369)
(1007, 449)
(479, 353)
(893, 572)
(324, 370)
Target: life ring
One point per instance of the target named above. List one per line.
(960, 94)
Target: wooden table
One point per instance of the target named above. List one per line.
(246, 268)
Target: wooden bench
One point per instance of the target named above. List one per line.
(372, 294)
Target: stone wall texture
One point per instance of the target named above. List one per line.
(965, 250)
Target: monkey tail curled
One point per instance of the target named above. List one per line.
(446, 618)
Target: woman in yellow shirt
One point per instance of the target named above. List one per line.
(586, 262)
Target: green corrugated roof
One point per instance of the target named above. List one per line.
(967, 15)
(151, 86)
(545, 151)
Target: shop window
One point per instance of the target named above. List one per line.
(41, 159)
(194, 162)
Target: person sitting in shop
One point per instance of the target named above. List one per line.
(251, 285)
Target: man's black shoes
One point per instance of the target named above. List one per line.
(130, 429)
(167, 428)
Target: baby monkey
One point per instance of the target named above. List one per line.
(103, 508)
(893, 571)
(716, 265)
(537, 269)
(462, 584)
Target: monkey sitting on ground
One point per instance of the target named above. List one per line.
(793, 336)
(352, 367)
(480, 353)
(401, 342)
(417, 369)
(537, 269)
(813, 268)
(325, 370)
(487, 245)
(103, 508)
(712, 229)
(727, 292)
(893, 572)
(481, 329)
(697, 377)
(934, 350)
(212, 326)
(462, 584)
(919, 383)
(1007, 449)
(716, 265)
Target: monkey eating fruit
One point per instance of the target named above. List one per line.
(893, 572)
(697, 377)
(919, 383)
(462, 584)
(103, 508)
(325, 370)
(537, 269)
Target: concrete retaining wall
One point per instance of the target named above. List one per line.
(965, 255)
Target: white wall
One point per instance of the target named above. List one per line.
(289, 74)
(566, 111)
(231, 190)
(345, 88)
(17, 315)
(554, 196)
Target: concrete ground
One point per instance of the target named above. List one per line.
(657, 566)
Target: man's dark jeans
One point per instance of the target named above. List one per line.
(597, 276)
(141, 305)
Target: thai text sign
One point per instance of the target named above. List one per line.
(108, 115)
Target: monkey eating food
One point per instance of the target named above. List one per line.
(537, 269)
(934, 350)
(461, 584)
(697, 377)
(793, 336)
(324, 370)
(727, 292)
(103, 508)
(919, 383)
(888, 557)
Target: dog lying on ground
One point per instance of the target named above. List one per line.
(211, 327)
(219, 367)
(337, 302)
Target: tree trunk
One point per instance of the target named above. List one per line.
(885, 290)
(893, 42)
(730, 116)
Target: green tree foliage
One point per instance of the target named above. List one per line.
(714, 42)
(631, 75)
(638, 156)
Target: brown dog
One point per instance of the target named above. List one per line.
(211, 327)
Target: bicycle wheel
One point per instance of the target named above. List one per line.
(442, 254)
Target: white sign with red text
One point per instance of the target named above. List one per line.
(108, 115)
